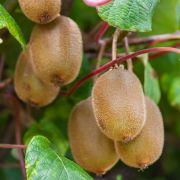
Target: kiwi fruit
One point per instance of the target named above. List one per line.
(119, 104)
(28, 87)
(57, 51)
(41, 11)
(148, 146)
(91, 149)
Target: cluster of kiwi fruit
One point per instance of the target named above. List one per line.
(117, 122)
(53, 55)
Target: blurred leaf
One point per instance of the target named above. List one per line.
(119, 177)
(43, 162)
(85, 90)
(174, 93)
(168, 63)
(178, 13)
(151, 84)
(171, 86)
(50, 131)
(165, 19)
(129, 15)
(6, 20)
(11, 174)
(14, 154)
(88, 20)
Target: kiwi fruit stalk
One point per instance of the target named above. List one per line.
(28, 87)
(91, 149)
(148, 146)
(57, 51)
(41, 11)
(119, 104)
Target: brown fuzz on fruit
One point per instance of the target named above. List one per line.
(90, 148)
(56, 50)
(148, 146)
(28, 87)
(41, 11)
(119, 104)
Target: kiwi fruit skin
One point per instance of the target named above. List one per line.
(57, 51)
(119, 104)
(91, 149)
(28, 87)
(41, 11)
(148, 146)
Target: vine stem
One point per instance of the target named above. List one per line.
(1, 66)
(129, 61)
(159, 54)
(17, 116)
(12, 146)
(118, 60)
(101, 31)
(4, 83)
(9, 165)
(154, 39)
(114, 43)
(99, 58)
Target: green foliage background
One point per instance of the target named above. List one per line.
(165, 20)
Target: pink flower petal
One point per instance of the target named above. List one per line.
(96, 3)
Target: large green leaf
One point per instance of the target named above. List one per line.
(131, 15)
(42, 162)
(7, 21)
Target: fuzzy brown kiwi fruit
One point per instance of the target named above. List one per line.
(91, 149)
(57, 51)
(28, 87)
(147, 147)
(119, 105)
(41, 11)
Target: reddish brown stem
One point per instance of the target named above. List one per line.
(156, 38)
(102, 30)
(12, 146)
(129, 61)
(17, 110)
(1, 66)
(9, 165)
(159, 54)
(118, 60)
(5, 83)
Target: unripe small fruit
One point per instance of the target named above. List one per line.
(147, 147)
(57, 51)
(41, 11)
(28, 87)
(90, 148)
(119, 105)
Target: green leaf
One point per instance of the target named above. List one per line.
(42, 162)
(131, 15)
(178, 13)
(174, 93)
(151, 84)
(165, 19)
(119, 177)
(6, 20)
(171, 86)
(49, 130)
